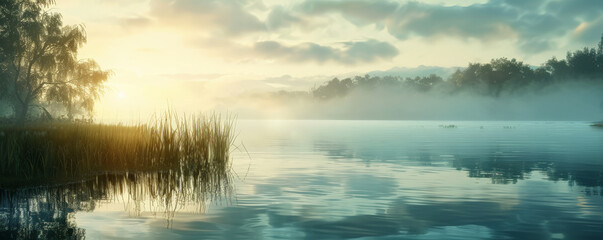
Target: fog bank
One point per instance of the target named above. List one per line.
(564, 101)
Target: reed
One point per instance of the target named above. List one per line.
(43, 152)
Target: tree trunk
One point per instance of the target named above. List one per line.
(70, 111)
(21, 113)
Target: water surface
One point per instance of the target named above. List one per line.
(349, 179)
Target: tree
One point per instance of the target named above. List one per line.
(423, 84)
(333, 88)
(510, 75)
(600, 55)
(468, 78)
(39, 59)
(557, 68)
(583, 63)
(80, 87)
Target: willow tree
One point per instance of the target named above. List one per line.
(40, 60)
(80, 87)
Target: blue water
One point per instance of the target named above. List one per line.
(370, 180)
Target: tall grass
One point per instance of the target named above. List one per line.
(193, 144)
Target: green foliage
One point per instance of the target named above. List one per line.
(585, 64)
(423, 83)
(340, 88)
(333, 88)
(499, 76)
(39, 63)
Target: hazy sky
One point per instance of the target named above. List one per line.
(172, 50)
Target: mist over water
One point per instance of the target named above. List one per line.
(558, 102)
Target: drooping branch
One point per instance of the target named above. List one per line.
(41, 52)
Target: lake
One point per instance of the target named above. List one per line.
(347, 179)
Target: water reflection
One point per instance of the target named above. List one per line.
(462, 219)
(402, 219)
(48, 212)
(342, 180)
(501, 164)
(339, 180)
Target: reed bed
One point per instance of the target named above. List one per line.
(188, 144)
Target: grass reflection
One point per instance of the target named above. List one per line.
(48, 212)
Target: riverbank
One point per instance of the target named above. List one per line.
(47, 153)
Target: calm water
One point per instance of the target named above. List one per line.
(349, 179)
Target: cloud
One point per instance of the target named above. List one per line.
(584, 10)
(536, 31)
(351, 53)
(246, 29)
(534, 25)
(356, 11)
(422, 71)
(191, 76)
(536, 46)
(587, 32)
(475, 21)
(531, 4)
(280, 18)
(420, 19)
(294, 83)
(135, 22)
(224, 17)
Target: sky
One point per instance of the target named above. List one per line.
(191, 53)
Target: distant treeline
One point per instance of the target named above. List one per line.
(498, 77)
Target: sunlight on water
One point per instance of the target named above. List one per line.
(367, 179)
